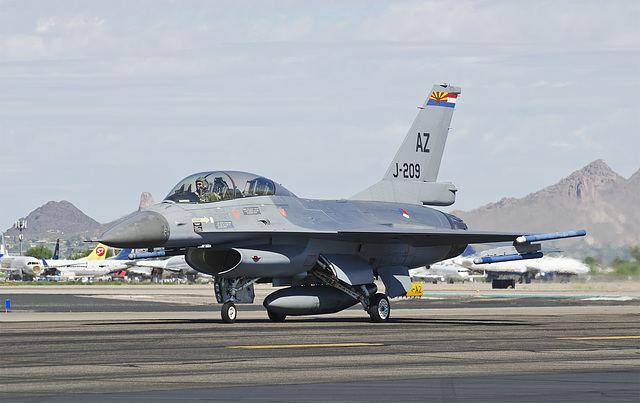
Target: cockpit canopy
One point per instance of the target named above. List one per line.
(207, 187)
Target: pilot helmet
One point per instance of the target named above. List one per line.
(204, 182)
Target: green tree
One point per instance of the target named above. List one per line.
(39, 251)
(627, 269)
(593, 263)
(634, 251)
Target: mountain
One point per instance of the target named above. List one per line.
(593, 198)
(146, 201)
(62, 220)
(57, 217)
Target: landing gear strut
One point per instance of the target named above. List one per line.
(377, 305)
(230, 291)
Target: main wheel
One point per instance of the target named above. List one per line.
(229, 312)
(379, 308)
(275, 316)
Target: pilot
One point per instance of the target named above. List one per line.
(201, 190)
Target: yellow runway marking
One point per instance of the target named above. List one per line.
(599, 338)
(309, 345)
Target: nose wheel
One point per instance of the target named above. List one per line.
(229, 312)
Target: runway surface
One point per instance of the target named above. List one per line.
(458, 343)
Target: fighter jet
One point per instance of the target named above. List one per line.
(243, 228)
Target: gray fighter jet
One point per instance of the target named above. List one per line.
(243, 228)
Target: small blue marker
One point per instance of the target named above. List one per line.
(7, 306)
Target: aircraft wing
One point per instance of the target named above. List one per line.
(433, 237)
(522, 246)
(413, 236)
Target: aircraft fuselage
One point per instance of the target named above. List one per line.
(287, 233)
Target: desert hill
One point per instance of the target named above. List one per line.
(62, 220)
(593, 198)
(56, 217)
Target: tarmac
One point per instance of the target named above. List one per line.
(459, 342)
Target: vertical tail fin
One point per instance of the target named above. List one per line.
(411, 177)
(56, 251)
(3, 247)
(99, 253)
(421, 152)
(123, 255)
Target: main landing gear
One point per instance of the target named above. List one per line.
(379, 308)
(376, 304)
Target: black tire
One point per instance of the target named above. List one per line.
(503, 284)
(229, 312)
(379, 308)
(276, 317)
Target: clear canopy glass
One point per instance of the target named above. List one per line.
(207, 187)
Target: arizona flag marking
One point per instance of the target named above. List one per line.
(445, 99)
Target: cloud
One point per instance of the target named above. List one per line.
(316, 95)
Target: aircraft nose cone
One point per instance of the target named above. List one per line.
(144, 230)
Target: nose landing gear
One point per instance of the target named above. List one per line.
(229, 312)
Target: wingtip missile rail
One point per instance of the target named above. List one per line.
(506, 258)
(550, 236)
(157, 253)
(523, 249)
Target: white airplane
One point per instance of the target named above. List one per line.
(450, 270)
(158, 269)
(507, 274)
(94, 265)
(501, 274)
(22, 267)
(445, 271)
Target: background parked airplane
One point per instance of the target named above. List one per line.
(445, 271)
(507, 274)
(450, 270)
(19, 267)
(94, 265)
(159, 269)
(502, 274)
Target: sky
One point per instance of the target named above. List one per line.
(100, 101)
